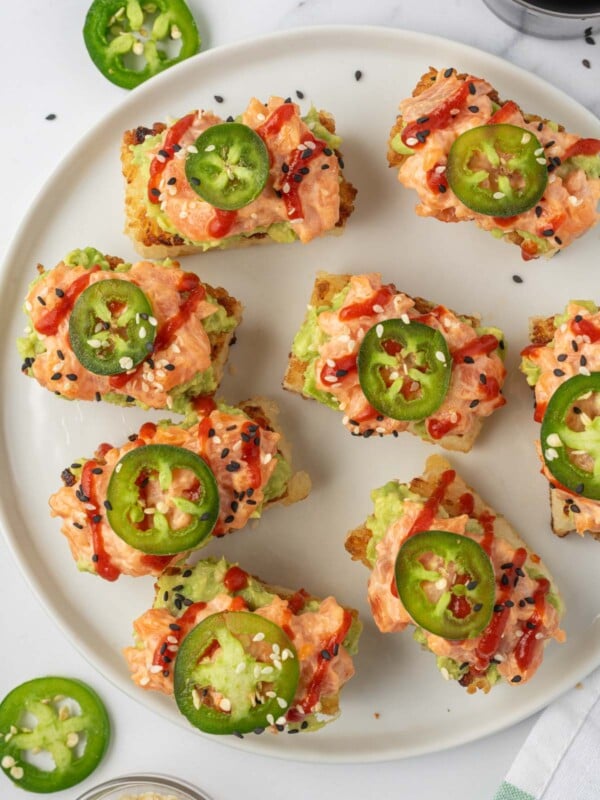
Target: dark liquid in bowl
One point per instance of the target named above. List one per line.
(577, 9)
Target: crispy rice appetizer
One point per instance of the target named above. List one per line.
(562, 365)
(135, 509)
(292, 651)
(146, 334)
(394, 363)
(471, 156)
(202, 183)
(442, 560)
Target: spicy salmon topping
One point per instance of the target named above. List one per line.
(323, 634)
(242, 454)
(447, 105)
(179, 352)
(526, 606)
(302, 188)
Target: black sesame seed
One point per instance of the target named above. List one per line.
(531, 625)
(575, 508)
(50, 117)
(234, 505)
(163, 153)
(229, 119)
(529, 600)
(586, 63)
(172, 181)
(504, 580)
(231, 427)
(558, 372)
(517, 279)
(165, 596)
(326, 655)
(516, 679)
(218, 98)
(341, 163)
(155, 192)
(579, 488)
(97, 471)
(233, 466)
(211, 433)
(590, 40)
(469, 360)
(474, 109)
(280, 728)
(448, 72)
(98, 397)
(551, 143)
(178, 588)
(508, 603)
(472, 585)
(293, 730)
(238, 734)
(574, 345)
(498, 607)
(422, 120)
(77, 525)
(250, 502)
(442, 189)
(482, 378)
(561, 357)
(477, 606)
(357, 75)
(176, 148)
(304, 170)
(250, 492)
(41, 301)
(520, 572)
(163, 648)
(548, 232)
(165, 673)
(522, 604)
(583, 361)
(174, 626)
(472, 89)
(369, 432)
(297, 178)
(556, 161)
(422, 135)
(71, 376)
(195, 181)
(539, 211)
(307, 153)
(508, 565)
(540, 126)
(205, 516)
(95, 557)
(56, 376)
(178, 603)
(299, 94)
(474, 403)
(341, 373)
(224, 452)
(285, 168)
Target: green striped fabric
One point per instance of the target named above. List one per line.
(509, 792)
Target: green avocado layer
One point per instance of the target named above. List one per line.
(280, 232)
(203, 382)
(203, 581)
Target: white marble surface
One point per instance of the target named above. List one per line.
(45, 69)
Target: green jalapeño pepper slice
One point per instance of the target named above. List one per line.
(131, 40)
(62, 720)
(111, 327)
(446, 583)
(231, 166)
(570, 435)
(497, 170)
(404, 369)
(236, 672)
(162, 499)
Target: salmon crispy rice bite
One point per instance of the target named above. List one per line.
(394, 363)
(201, 183)
(471, 156)
(137, 508)
(442, 560)
(146, 334)
(240, 655)
(562, 365)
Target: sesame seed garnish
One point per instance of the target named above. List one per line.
(574, 508)
(586, 63)
(498, 607)
(558, 372)
(477, 607)
(548, 232)
(218, 98)
(469, 360)
(590, 40)
(482, 378)
(472, 89)
(358, 75)
(520, 572)
(474, 109)
(517, 279)
(50, 117)
(422, 135)
(508, 603)
(299, 94)
(412, 141)
(70, 376)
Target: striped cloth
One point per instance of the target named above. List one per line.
(560, 759)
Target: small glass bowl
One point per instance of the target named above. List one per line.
(134, 785)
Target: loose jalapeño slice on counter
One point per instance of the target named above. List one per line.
(497, 170)
(130, 41)
(162, 499)
(60, 718)
(235, 672)
(231, 166)
(570, 435)
(111, 327)
(404, 369)
(446, 583)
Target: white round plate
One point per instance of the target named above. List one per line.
(397, 704)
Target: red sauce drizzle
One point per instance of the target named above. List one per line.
(157, 166)
(203, 430)
(486, 520)
(466, 504)
(276, 120)
(48, 323)
(297, 601)
(196, 293)
(583, 147)
(481, 346)
(584, 327)
(345, 363)
(504, 113)
(148, 430)
(251, 453)
(438, 118)
(438, 428)
(365, 308)
(291, 198)
(490, 639)
(235, 579)
(185, 622)
(314, 687)
(156, 563)
(528, 644)
(221, 223)
(104, 567)
(436, 179)
(531, 350)
(430, 509)
(204, 405)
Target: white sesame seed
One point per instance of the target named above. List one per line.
(8, 762)
(301, 146)
(17, 773)
(277, 663)
(257, 671)
(584, 371)
(28, 305)
(379, 429)
(196, 699)
(144, 681)
(281, 702)
(286, 653)
(270, 719)
(89, 506)
(72, 739)
(551, 454)
(378, 309)
(445, 674)
(440, 169)
(210, 148)
(574, 201)
(271, 694)
(260, 117)
(538, 151)
(225, 704)
(280, 721)
(539, 635)
(554, 440)
(440, 356)
(94, 343)
(119, 467)
(310, 145)
(125, 362)
(138, 49)
(379, 330)
(173, 648)
(498, 195)
(411, 141)
(525, 138)
(454, 112)
(160, 158)
(285, 188)
(442, 583)
(240, 667)
(541, 160)
(330, 362)
(266, 670)
(155, 669)
(142, 332)
(405, 319)
(454, 417)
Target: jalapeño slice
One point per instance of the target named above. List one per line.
(446, 583)
(111, 327)
(404, 369)
(130, 41)
(497, 170)
(570, 435)
(162, 499)
(235, 672)
(58, 716)
(231, 166)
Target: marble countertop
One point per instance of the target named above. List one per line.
(46, 71)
